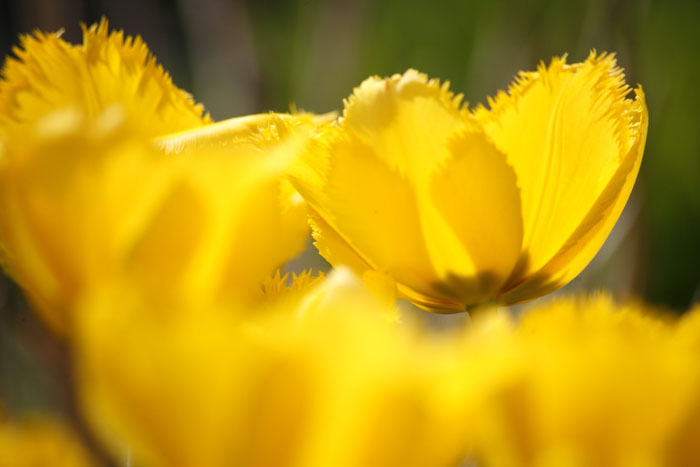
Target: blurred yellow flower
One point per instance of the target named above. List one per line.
(329, 382)
(81, 199)
(108, 68)
(39, 442)
(459, 208)
(106, 165)
(582, 382)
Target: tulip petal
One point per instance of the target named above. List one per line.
(259, 129)
(333, 248)
(407, 120)
(585, 242)
(477, 194)
(231, 200)
(82, 200)
(73, 194)
(368, 175)
(376, 207)
(566, 130)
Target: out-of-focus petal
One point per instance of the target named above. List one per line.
(582, 381)
(74, 195)
(327, 382)
(83, 199)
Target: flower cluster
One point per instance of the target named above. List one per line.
(149, 239)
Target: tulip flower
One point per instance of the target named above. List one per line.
(106, 165)
(504, 204)
(583, 381)
(323, 381)
(326, 380)
(83, 200)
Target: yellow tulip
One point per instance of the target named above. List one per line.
(328, 381)
(108, 68)
(106, 165)
(503, 204)
(84, 199)
(582, 382)
(325, 381)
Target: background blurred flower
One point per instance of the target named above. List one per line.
(83, 199)
(507, 204)
(108, 68)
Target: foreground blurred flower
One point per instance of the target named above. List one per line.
(39, 442)
(583, 382)
(81, 199)
(325, 382)
(504, 204)
(106, 69)
(328, 381)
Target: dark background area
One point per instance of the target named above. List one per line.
(241, 57)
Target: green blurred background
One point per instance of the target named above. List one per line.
(241, 57)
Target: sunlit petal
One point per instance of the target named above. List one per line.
(108, 68)
(477, 194)
(575, 142)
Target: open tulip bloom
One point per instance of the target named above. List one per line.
(502, 204)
